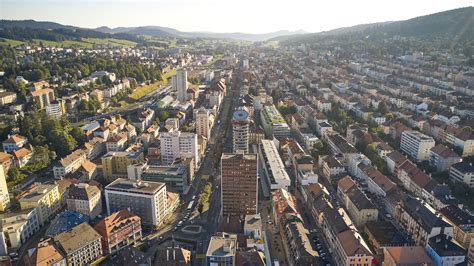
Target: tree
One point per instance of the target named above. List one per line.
(13, 174)
(163, 115)
(78, 135)
(383, 108)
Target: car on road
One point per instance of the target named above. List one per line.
(175, 228)
(180, 223)
(269, 222)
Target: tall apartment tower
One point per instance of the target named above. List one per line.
(240, 129)
(203, 125)
(4, 196)
(179, 83)
(239, 190)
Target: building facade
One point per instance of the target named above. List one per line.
(239, 189)
(146, 199)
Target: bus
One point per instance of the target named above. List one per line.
(190, 205)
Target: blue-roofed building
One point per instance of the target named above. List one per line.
(421, 221)
(65, 221)
(443, 251)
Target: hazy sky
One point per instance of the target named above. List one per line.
(253, 16)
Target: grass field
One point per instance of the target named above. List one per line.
(144, 90)
(86, 43)
(169, 75)
(10, 42)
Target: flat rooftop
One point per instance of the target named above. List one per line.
(137, 187)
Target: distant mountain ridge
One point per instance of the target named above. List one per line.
(455, 24)
(157, 31)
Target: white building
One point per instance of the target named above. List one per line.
(146, 199)
(179, 83)
(273, 166)
(240, 131)
(178, 144)
(462, 172)
(54, 109)
(417, 145)
(18, 227)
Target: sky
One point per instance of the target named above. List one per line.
(250, 16)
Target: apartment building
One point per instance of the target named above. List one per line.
(69, 164)
(17, 227)
(4, 195)
(222, 250)
(46, 252)
(115, 163)
(45, 198)
(360, 208)
(117, 142)
(85, 199)
(400, 256)
(81, 244)
(273, 122)
(118, 230)
(463, 224)
(417, 145)
(462, 172)
(240, 131)
(273, 166)
(420, 221)
(43, 97)
(146, 199)
(204, 122)
(179, 144)
(175, 176)
(239, 189)
(442, 157)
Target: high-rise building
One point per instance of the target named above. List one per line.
(203, 122)
(179, 83)
(4, 196)
(146, 199)
(417, 145)
(239, 191)
(240, 131)
(178, 144)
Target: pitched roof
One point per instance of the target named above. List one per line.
(78, 237)
(351, 244)
(409, 255)
(15, 139)
(346, 183)
(397, 157)
(115, 221)
(46, 253)
(444, 151)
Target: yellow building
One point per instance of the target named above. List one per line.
(114, 164)
(45, 198)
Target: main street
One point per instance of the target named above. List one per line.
(208, 221)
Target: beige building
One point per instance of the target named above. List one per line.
(70, 163)
(4, 196)
(239, 191)
(45, 198)
(204, 122)
(43, 97)
(85, 199)
(7, 97)
(114, 164)
(360, 208)
(81, 244)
